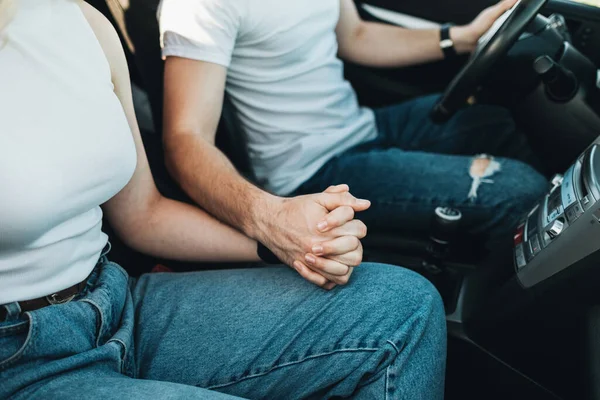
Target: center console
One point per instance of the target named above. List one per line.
(564, 227)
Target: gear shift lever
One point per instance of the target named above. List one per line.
(444, 228)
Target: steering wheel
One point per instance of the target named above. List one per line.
(492, 46)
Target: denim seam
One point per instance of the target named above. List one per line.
(13, 328)
(388, 369)
(387, 382)
(291, 363)
(28, 343)
(394, 346)
(101, 327)
(122, 354)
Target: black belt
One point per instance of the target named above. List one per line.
(64, 296)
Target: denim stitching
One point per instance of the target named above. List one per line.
(387, 381)
(288, 364)
(122, 344)
(11, 329)
(28, 343)
(101, 327)
(394, 346)
(122, 353)
(388, 369)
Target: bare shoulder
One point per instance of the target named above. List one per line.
(106, 34)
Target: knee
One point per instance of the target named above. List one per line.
(405, 296)
(513, 184)
(512, 191)
(523, 186)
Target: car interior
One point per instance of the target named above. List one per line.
(523, 314)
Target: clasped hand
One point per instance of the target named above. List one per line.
(318, 235)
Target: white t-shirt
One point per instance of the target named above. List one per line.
(284, 79)
(65, 148)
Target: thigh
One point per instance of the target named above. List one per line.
(406, 187)
(267, 333)
(475, 129)
(98, 384)
(79, 349)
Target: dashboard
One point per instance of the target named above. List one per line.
(583, 22)
(558, 232)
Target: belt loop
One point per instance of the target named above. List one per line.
(13, 310)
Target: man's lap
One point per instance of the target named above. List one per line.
(415, 166)
(473, 130)
(406, 187)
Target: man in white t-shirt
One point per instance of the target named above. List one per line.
(278, 62)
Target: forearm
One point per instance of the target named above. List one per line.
(381, 45)
(178, 231)
(210, 179)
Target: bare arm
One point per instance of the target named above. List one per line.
(381, 45)
(192, 107)
(144, 219)
(288, 226)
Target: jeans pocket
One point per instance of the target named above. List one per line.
(15, 338)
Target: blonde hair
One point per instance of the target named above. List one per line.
(7, 11)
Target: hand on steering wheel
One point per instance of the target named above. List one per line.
(500, 32)
(471, 33)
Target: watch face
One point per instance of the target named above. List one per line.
(446, 43)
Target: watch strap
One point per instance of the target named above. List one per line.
(446, 43)
(267, 255)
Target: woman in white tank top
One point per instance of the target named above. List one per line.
(72, 324)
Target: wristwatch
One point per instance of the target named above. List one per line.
(446, 43)
(266, 255)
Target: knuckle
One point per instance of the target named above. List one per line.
(303, 273)
(357, 259)
(317, 280)
(307, 246)
(349, 212)
(344, 279)
(334, 218)
(308, 241)
(362, 230)
(331, 220)
(319, 263)
(348, 198)
(338, 259)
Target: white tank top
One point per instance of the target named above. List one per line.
(65, 148)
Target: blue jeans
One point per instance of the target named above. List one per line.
(414, 166)
(254, 333)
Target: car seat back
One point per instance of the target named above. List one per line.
(136, 20)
